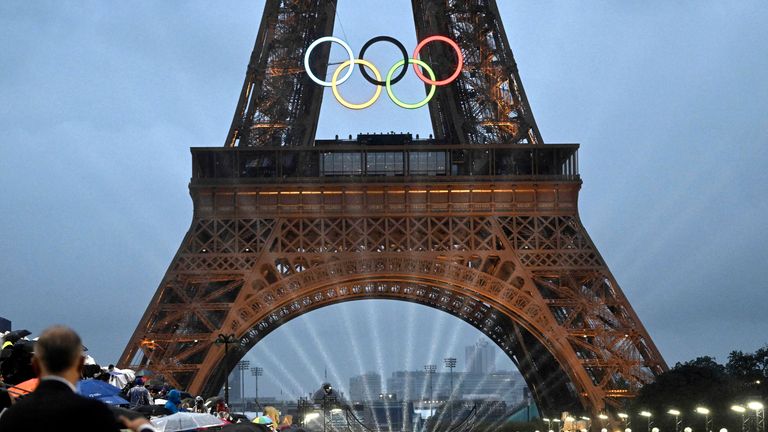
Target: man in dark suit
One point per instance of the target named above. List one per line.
(55, 405)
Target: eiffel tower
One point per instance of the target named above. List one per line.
(480, 221)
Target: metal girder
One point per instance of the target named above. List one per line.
(278, 104)
(487, 103)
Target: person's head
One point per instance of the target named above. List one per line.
(272, 413)
(59, 351)
(174, 396)
(111, 367)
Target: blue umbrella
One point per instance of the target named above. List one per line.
(103, 391)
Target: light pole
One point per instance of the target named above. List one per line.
(744, 420)
(257, 372)
(557, 422)
(243, 366)
(603, 418)
(678, 420)
(450, 363)
(226, 340)
(759, 410)
(648, 416)
(549, 424)
(626, 419)
(430, 369)
(707, 420)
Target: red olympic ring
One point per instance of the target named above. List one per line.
(459, 65)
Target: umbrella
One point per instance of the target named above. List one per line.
(14, 336)
(153, 410)
(113, 400)
(21, 389)
(213, 400)
(97, 389)
(183, 421)
(245, 427)
(144, 372)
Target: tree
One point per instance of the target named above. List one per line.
(699, 382)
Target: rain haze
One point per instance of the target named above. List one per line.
(100, 102)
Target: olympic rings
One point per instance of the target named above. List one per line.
(417, 63)
(334, 84)
(383, 39)
(318, 42)
(459, 65)
(389, 82)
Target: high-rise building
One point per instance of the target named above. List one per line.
(235, 394)
(365, 387)
(480, 358)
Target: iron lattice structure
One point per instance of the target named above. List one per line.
(480, 222)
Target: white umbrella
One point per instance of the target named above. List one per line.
(182, 421)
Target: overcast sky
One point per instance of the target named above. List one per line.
(100, 102)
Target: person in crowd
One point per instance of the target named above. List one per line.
(199, 405)
(173, 401)
(272, 413)
(287, 423)
(138, 395)
(220, 407)
(55, 405)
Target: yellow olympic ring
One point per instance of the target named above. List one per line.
(334, 84)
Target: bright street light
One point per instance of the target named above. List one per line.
(738, 408)
(678, 420)
(707, 418)
(645, 414)
(754, 405)
(623, 415)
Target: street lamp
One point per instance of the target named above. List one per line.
(256, 372)
(678, 420)
(625, 417)
(744, 419)
(243, 366)
(647, 416)
(759, 410)
(227, 340)
(430, 369)
(549, 423)
(557, 422)
(707, 420)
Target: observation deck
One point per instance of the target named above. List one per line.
(384, 158)
(385, 174)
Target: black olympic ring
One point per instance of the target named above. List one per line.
(399, 46)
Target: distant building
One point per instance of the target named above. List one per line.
(480, 358)
(386, 415)
(365, 387)
(5, 325)
(499, 386)
(235, 394)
